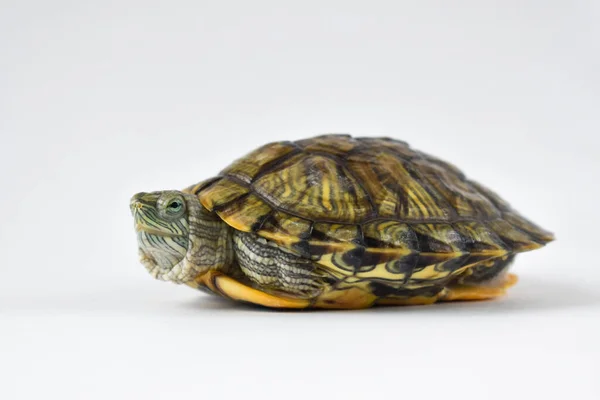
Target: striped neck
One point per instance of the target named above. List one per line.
(210, 243)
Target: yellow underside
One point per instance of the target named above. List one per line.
(351, 298)
(464, 292)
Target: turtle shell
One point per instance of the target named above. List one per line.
(368, 208)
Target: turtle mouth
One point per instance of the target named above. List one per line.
(140, 227)
(147, 260)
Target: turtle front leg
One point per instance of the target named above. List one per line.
(229, 287)
(226, 286)
(276, 269)
(264, 274)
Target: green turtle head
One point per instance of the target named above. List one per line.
(178, 239)
(163, 231)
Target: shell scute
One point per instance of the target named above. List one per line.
(285, 229)
(480, 239)
(332, 144)
(464, 198)
(245, 214)
(537, 233)
(248, 167)
(384, 144)
(516, 239)
(221, 192)
(336, 232)
(439, 238)
(386, 234)
(500, 203)
(396, 191)
(317, 187)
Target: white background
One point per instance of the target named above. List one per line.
(99, 100)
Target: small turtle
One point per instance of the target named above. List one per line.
(335, 222)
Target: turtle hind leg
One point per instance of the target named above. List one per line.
(486, 280)
(483, 291)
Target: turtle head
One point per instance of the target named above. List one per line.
(163, 232)
(178, 239)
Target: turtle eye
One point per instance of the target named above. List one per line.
(174, 206)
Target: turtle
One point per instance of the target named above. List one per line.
(335, 221)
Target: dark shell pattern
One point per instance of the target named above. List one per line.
(369, 209)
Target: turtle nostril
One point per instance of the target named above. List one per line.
(134, 205)
(136, 202)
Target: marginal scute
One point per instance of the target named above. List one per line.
(386, 233)
(523, 224)
(478, 238)
(197, 188)
(336, 232)
(516, 239)
(220, 193)
(285, 229)
(248, 167)
(317, 187)
(438, 238)
(246, 214)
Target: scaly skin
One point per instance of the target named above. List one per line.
(178, 240)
